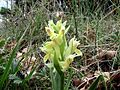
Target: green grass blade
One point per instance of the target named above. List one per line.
(30, 75)
(2, 43)
(68, 80)
(10, 59)
(6, 72)
(104, 82)
(95, 83)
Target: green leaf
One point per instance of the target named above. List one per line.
(95, 83)
(58, 69)
(68, 80)
(18, 81)
(57, 81)
(104, 82)
(2, 43)
(8, 65)
(13, 76)
(10, 60)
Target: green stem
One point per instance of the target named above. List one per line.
(61, 74)
(62, 81)
(52, 78)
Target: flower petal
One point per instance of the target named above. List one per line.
(46, 57)
(78, 52)
(65, 64)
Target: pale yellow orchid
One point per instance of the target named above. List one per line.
(68, 60)
(72, 48)
(70, 53)
(57, 48)
(49, 31)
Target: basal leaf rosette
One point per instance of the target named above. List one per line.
(57, 51)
